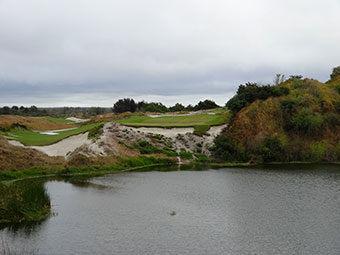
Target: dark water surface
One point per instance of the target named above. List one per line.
(272, 210)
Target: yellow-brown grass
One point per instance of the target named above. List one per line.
(265, 117)
(18, 158)
(34, 123)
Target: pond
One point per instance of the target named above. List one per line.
(267, 210)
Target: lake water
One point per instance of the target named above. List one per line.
(271, 210)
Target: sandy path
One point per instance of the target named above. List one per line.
(61, 148)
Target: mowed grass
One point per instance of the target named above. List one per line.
(57, 119)
(177, 121)
(31, 138)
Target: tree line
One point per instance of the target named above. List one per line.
(129, 105)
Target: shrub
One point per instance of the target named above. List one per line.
(289, 106)
(248, 93)
(205, 105)
(201, 130)
(332, 119)
(318, 150)
(307, 122)
(272, 150)
(145, 147)
(124, 105)
(96, 132)
(335, 72)
(226, 149)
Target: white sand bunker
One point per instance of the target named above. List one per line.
(62, 148)
(77, 120)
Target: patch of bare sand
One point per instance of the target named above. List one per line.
(62, 148)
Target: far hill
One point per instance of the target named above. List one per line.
(297, 120)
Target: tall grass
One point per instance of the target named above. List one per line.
(24, 201)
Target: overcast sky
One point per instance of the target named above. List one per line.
(92, 52)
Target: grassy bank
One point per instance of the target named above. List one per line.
(23, 197)
(31, 138)
(176, 121)
(27, 201)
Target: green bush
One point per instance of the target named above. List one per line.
(250, 92)
(145, 147)
(307, 122)
(272, 150)
(96, 132)
(318, 150)
(185, 155)
(226, 149)
(332, 119)
(201, 130)
(335, 72)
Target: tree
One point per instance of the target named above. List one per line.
(336, 72)
(279, 78)
(177, 108)
(205, 105)
(124, 105)
(296, 77)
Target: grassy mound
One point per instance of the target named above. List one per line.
(16, 158)
(35, 123)
(302, 125)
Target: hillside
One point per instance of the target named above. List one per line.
(34, 123)
(302, 124)
(17, 158)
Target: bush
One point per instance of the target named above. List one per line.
(124, 105)
(318, 150)
(145, 147)
(226, 149)
(335, 72)
(307, 122)
(205, 105)
(201, 130)
(96, 132)
(332, 119)
(250, 92)
(272, 150)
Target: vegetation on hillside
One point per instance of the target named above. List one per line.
(297, 120)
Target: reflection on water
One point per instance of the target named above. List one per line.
(263, 210)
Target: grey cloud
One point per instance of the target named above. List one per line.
(76, 50)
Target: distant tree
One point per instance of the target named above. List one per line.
(248, 93)
(205, 105)
(95, 111)
(279, 78)
(124, 105)
(155, 107)
(189, 108)
(296, 77)
(141, 105)
(336, 72)
(6, 110)
(15, 108)
(177, 108)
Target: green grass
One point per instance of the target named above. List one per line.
(27, 201)
(201, 130)
(30, 138)
(176, 121)
(57, 120)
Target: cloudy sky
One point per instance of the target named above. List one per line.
(92, 52)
